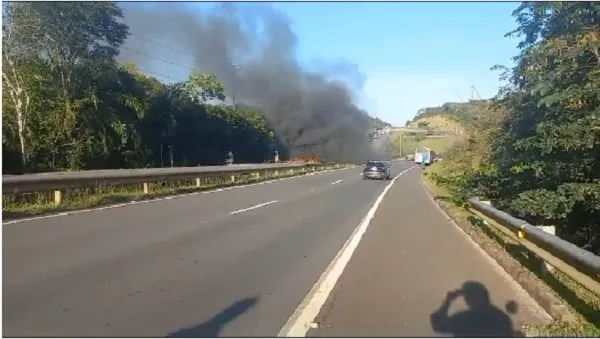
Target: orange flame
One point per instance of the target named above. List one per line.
(307, 159)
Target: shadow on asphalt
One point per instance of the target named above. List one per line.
(481, 319)
(213, 327)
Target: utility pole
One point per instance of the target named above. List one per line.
(233, 87)
(401, 136)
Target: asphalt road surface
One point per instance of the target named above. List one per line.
(406, 264)
(235, 262)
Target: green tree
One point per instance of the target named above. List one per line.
(69, 105)
(18, 68)
(544, 164)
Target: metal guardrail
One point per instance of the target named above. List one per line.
(580, 265)
(58, 181)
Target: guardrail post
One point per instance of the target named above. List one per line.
(551, 230)
(197, 182)
(57, 197)
(145, 188)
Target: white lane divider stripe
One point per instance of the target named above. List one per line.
(337, 182)
(300, 322)
(253, 207)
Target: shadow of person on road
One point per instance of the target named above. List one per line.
(482, 319)
(213, 327)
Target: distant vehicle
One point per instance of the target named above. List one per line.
(423, 156)
(377, 170)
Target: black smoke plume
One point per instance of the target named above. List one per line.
(312, 112)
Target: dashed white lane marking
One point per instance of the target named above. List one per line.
(300, 322)
(129, 203)
(253, 207)
(337, 182)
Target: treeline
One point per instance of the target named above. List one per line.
(68, 105)
(376, 126)
(379, 124)
(534, 150)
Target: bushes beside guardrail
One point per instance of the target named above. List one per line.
(578, 264)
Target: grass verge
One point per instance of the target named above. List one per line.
(20, 205)
(575, 309)
(437, 144)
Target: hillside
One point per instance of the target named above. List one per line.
(450, 115)
(455, 117)
(437, 122)
(463, 112)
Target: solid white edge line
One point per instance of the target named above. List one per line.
(170, 197)
(299, 323)
(253, 207)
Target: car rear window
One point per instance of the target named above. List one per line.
(375, 163)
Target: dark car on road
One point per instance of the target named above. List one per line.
(377, 170)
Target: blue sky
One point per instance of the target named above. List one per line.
(413, 54)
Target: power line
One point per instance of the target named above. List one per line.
(158, 74)
(160, 44)
(157, 58)
(162, 59)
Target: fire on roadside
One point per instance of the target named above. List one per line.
(306, 159)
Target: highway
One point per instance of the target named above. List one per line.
(234, 262)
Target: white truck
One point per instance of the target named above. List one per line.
(423, 156)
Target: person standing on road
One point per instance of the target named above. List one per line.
(230, 158)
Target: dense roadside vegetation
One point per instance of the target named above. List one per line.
(534, 149)
(68, 105)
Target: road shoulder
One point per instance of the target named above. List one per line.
(407, 262)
